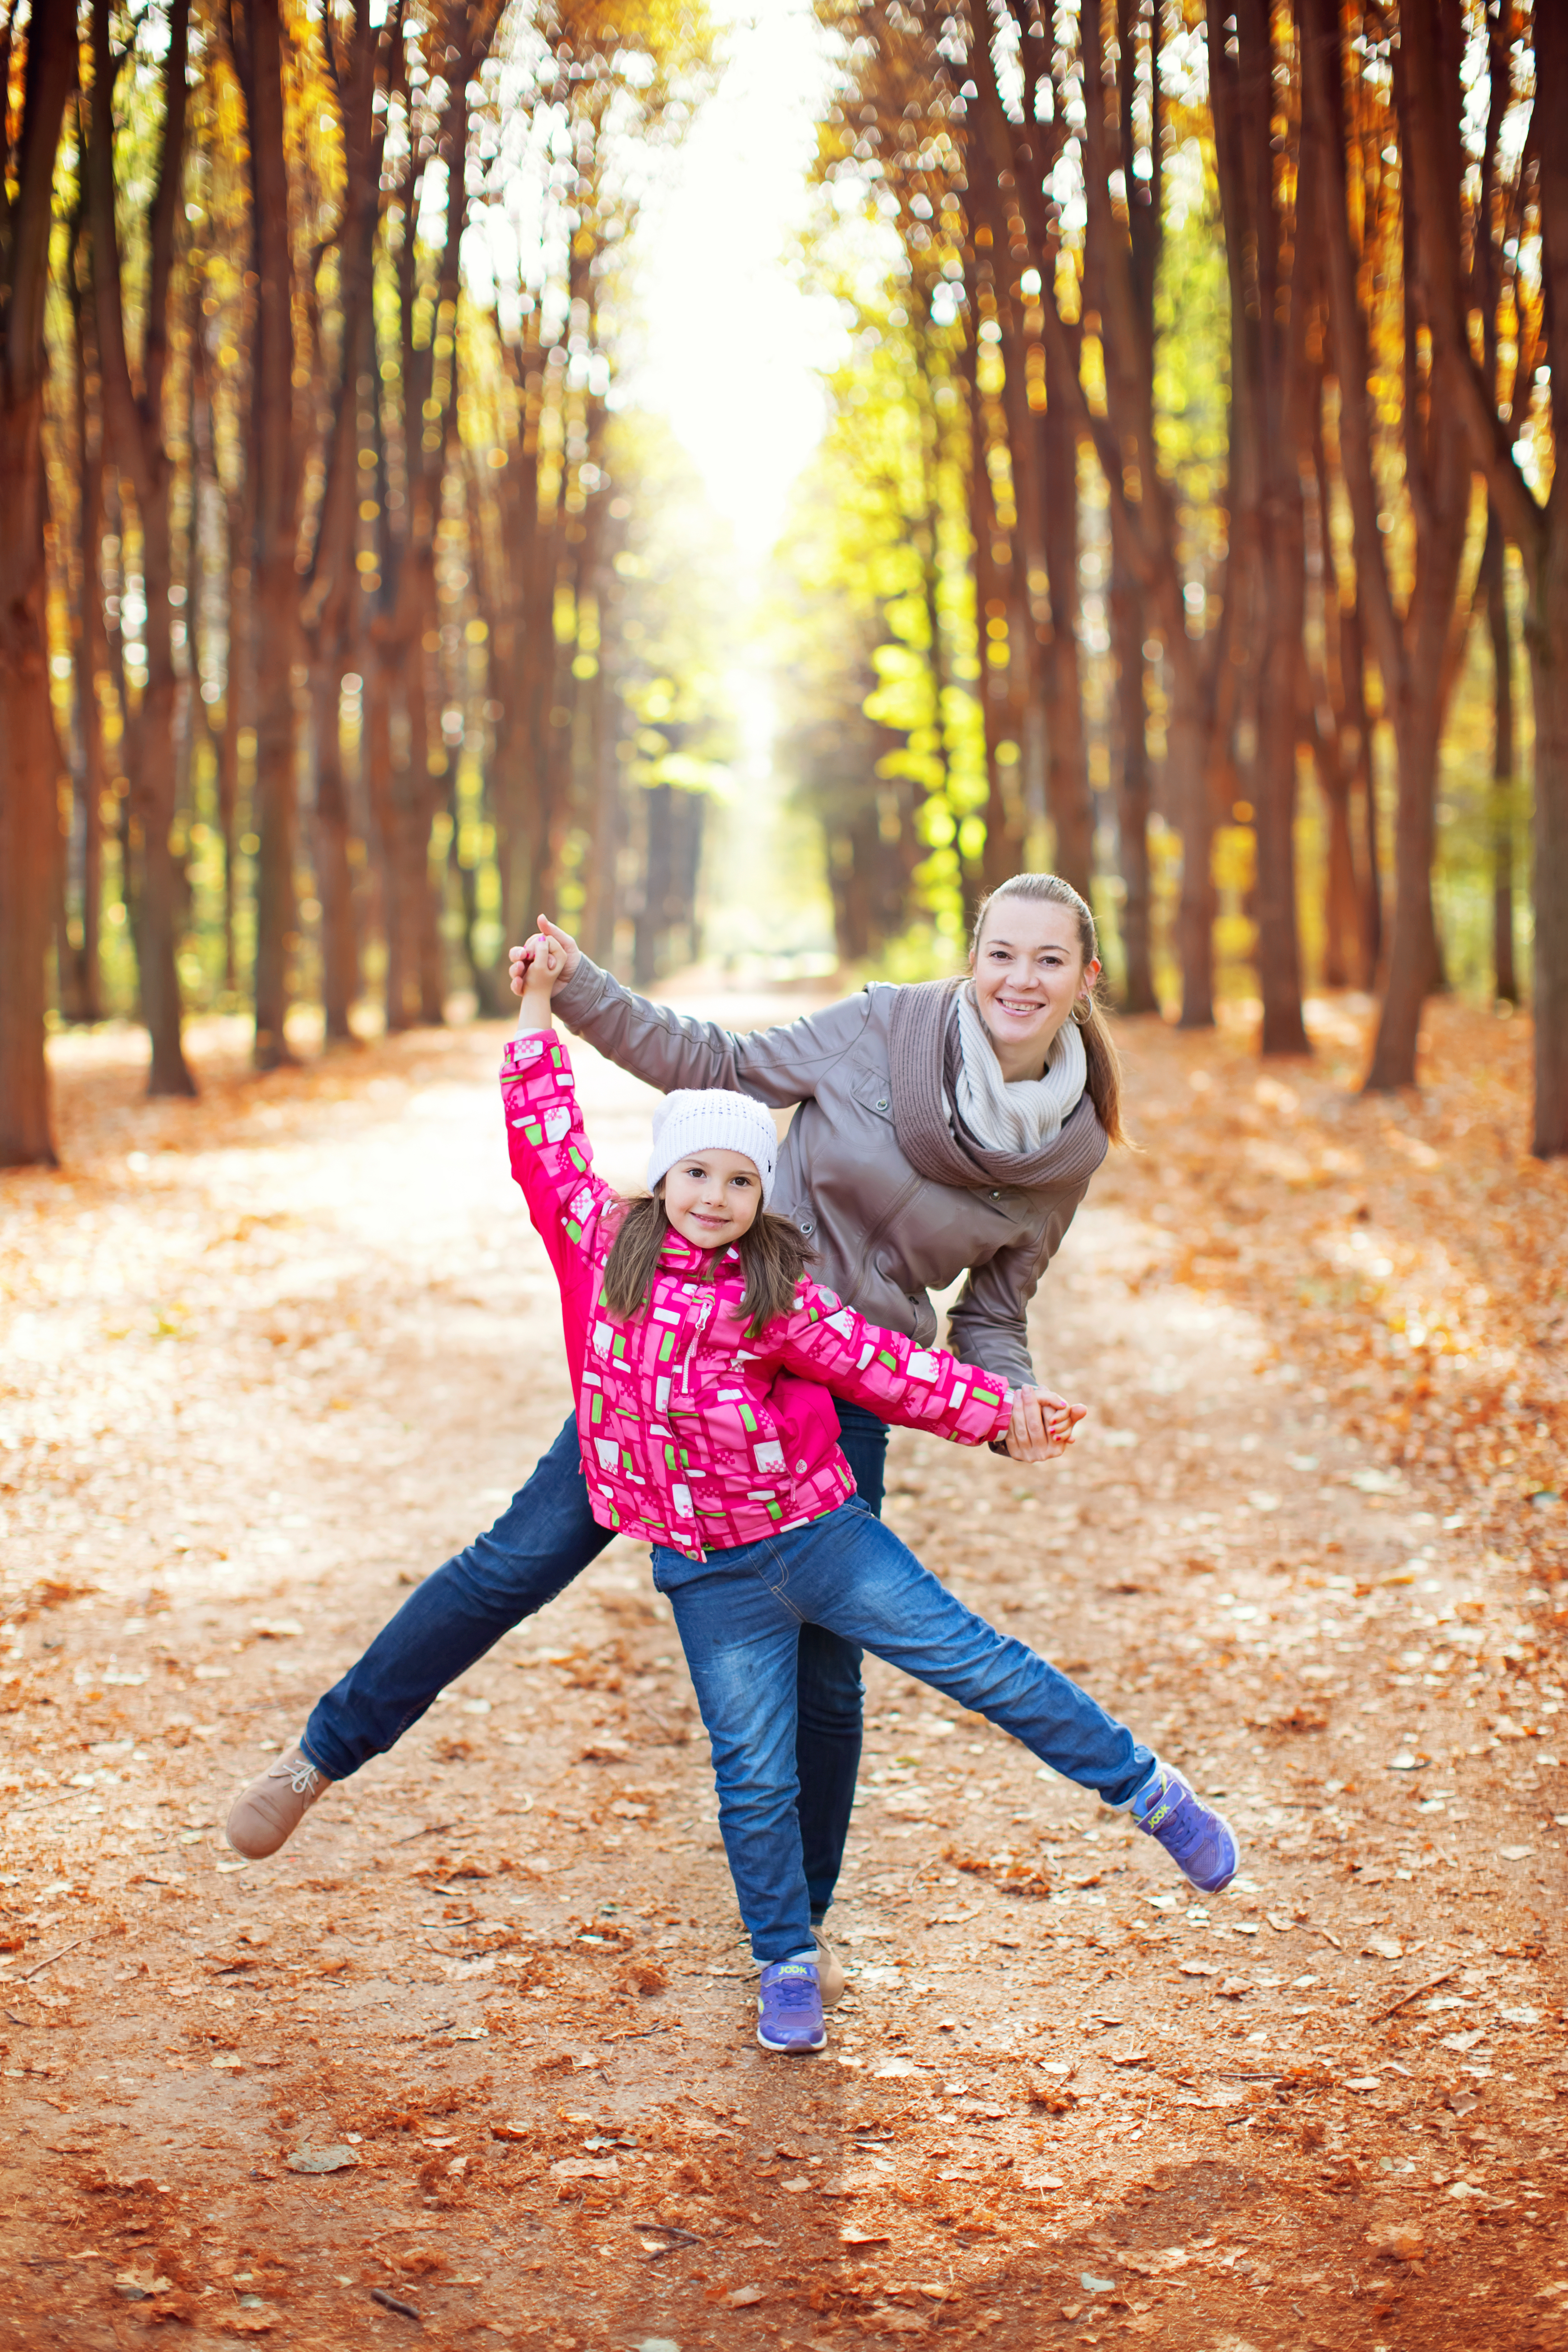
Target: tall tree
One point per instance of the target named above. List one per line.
(1409, 644)
(135, 419)
(277, 453)
(1269, 243)
(29, 753)
(358, 56)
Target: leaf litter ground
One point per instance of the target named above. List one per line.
(470, 2062)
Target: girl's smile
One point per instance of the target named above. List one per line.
(713, 1198)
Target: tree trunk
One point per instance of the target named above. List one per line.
(1341, 893)
(1353, 677)
(654, 914)
(1068, 798)
(1547, 637)
(135, 423)
(1133, 790)
(334, 875)
(1549, 622)
(359, 53)
(1274, 785)
(1463, 390)
(152, 804)
(239, 666)
(386, 798)
(84, 996)
(29, 755)
(600, 902)
(276, 812)
(275, 583)
(1494, 583)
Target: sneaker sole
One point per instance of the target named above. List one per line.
(790, 2049)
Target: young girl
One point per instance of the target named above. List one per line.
(699, 1352)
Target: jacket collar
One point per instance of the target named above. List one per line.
(679, 1256)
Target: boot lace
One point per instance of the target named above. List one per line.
(299, 1771)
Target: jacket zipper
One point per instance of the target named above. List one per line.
(699, 1314)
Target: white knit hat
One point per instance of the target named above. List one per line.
(708, 1119)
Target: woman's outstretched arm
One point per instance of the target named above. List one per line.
(668, 1049)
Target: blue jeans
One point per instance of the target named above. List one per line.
(741, 1615)
(546, 1536)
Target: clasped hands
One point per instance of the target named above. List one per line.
(1043, 1426)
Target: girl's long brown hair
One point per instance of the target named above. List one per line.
(774, 1256)
(1104, 1081)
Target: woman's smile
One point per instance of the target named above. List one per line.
(1028, 969)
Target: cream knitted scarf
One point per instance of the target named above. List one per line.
(1016, 1115)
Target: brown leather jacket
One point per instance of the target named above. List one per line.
(885, 1235)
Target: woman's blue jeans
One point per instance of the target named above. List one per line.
(546, 1536)
(742, 1613)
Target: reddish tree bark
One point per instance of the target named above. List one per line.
(1540, 532)
(29, 754)
(1069, 801)
(1133, 794)
(276, 453)
(1494, 587)
(1143, 510)
(133, 420)
(1270, 419)
(91, 646)
(329, 617)
(1409, 647)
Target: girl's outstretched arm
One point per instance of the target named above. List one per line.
(920, 1387)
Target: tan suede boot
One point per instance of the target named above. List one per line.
(266, 1814)
(830, 1973)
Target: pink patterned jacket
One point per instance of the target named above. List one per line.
(693, 1436)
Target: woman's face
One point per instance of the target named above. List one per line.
(1028, 968)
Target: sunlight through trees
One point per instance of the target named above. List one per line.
(1185, 518)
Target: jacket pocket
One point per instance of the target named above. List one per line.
(873, 1090)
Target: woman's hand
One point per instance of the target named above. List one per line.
(538, 967)
(522, 957)
(1043, 1426)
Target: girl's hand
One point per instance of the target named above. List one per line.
(537, 971)
(1043, 1426)
(540, 963)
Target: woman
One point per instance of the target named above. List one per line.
(943, 1130)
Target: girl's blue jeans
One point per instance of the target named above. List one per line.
(546, 1536)
(742, 1613)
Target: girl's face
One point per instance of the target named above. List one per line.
(712, 1197)
(1028, 968)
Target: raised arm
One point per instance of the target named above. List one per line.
(988, 1322)
(668, 1049)
(552, 1159)
(919, 1387)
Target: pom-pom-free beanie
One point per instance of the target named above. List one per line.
(710, 1118)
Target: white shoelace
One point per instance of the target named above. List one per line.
(302, 1775)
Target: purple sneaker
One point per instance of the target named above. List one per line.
(789, 2007)
(1199, 1842)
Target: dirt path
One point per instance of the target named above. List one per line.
(270, 1356)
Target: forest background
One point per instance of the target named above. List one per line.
(1185, 519)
